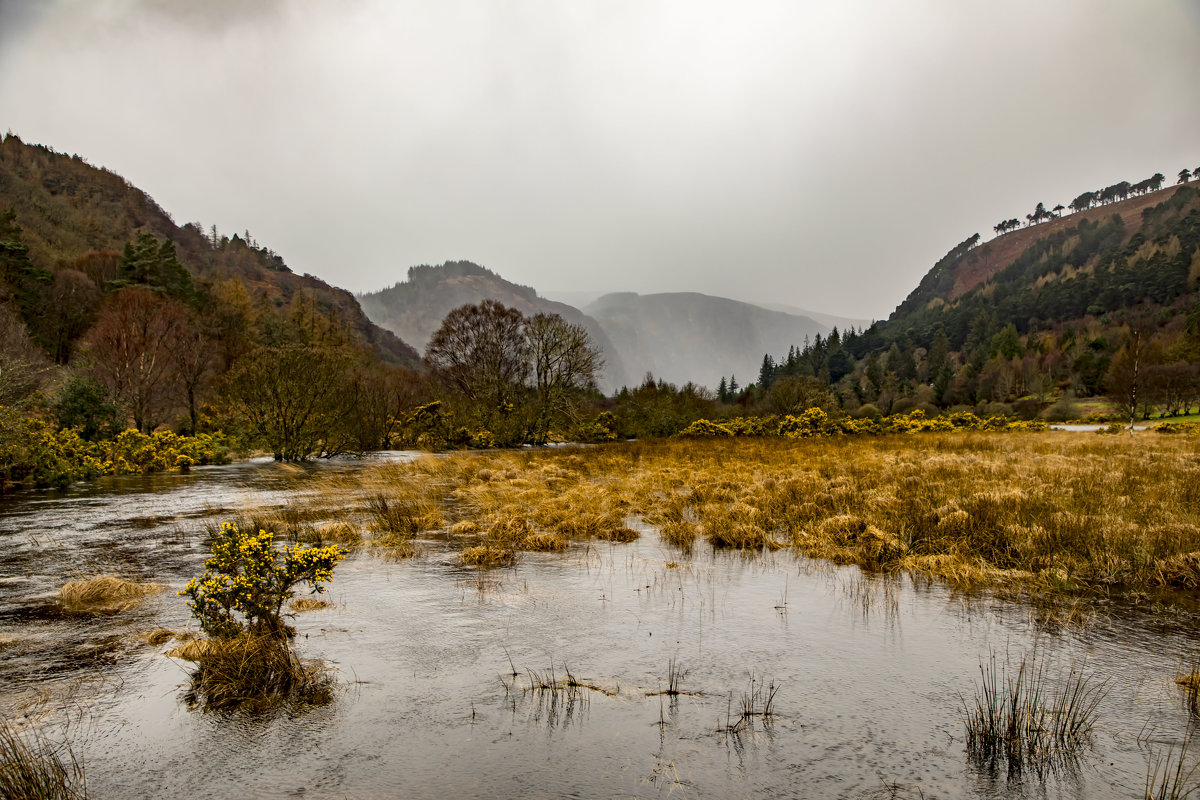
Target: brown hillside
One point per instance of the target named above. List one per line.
(1000, 252)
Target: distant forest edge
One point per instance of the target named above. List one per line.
(131, 344)
(1100, 303)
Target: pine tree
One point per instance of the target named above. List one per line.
(27, 284)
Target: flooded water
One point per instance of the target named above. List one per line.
(870, 675)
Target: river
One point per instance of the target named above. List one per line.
(871, 673)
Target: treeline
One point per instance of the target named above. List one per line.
(1100, 197)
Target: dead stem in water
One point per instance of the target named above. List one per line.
(1168, 776)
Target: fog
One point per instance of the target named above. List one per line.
(819, 155)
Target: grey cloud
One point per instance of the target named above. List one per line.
(819, 155)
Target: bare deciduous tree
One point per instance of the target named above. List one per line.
(481, 352)
(564, 366)
(133, 343)
(23, 367)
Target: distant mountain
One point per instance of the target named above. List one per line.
(414, 309)
(678, 337)
(831, 320)
(685, 336)
(70, 211)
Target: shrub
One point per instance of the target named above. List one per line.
(601, 429)
(705, 428)
(808, 423)
(867, 411)
(483, 440)
(246, 581)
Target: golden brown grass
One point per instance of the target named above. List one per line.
(104, 593)
(251, 672)
(302, 604)
(158, 636)
(486, 555)
(32, 768)
(1054, 512)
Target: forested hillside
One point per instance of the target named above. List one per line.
(113, 316)
(77, 219)
(1096, 303)
(686, 337)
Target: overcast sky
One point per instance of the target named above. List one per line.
(821, 155)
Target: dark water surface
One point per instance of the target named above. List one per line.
(871, 673)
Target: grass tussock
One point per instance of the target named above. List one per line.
(486, 555)
(104, 593)
(403, 516)
(32, 768)
(1039, 513)
(1022, 720)
(158, 637)
(337, 533)
(397, 550)
(302, 604)
(621, 534)
(252, 673)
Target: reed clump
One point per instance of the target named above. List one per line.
(34, 769)
(404, 516)
(104, 593)
(1023, 720)
(1168, 776)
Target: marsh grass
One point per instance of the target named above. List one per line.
(1188, 681)
(157, 637)
(874, 593)
(303, 604)
(1168, 776)
(1026, 721)
(403, 515)
(32, 768)
(253, 673)
(104, 593)
(1039, 513)
(487, 555)
(397, 551)
(675, 676)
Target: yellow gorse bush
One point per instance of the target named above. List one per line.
(247, 580)
(814, 422)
